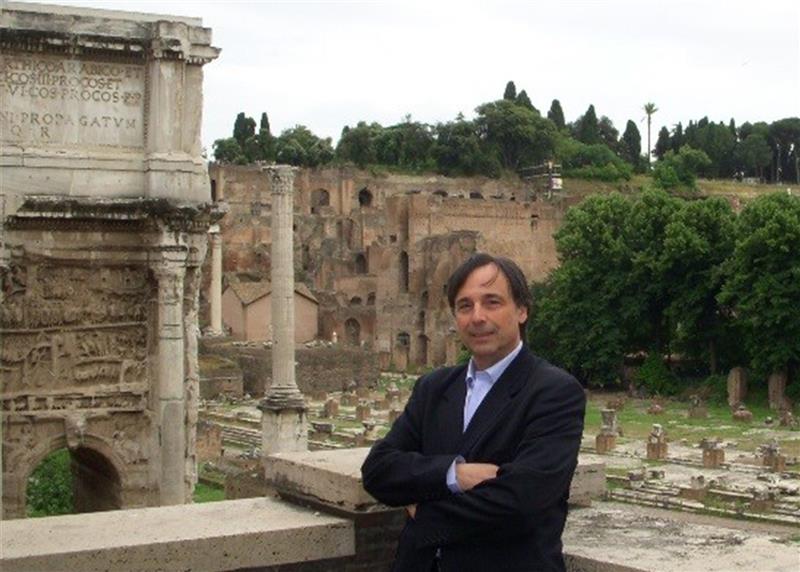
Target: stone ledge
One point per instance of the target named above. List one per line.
(216, 536)
(333, 478)
(610, 537)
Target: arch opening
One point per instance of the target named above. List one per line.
(352, 332)
(364, 197)
(73, 481)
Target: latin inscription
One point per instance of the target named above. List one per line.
(49, 100)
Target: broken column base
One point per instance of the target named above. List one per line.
(605, 443)
(283, 430)
(656, 451)
(713, 458)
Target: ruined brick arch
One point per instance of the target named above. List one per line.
(352, 332)
(355, 301)
(94, 457)
(361, 264)
(320, 198)
(371, 299)
(365, 197)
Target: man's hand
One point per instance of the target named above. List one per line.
(412, 510)
(470, 475)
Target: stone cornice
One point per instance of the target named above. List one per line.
(69, 212)
(76, 31)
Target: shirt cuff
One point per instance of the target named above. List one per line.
(452, 481)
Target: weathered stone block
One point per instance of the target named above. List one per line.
(713, 458)
(656, 451)
(605, 443)
(737, 386)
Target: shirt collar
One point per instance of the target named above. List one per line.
(496, 370)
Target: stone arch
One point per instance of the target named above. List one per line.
(99, 476)
(403, 339)
(355, 301)
(404, 271)
(361, 264)
(320, 198)
(365, 197)
(352, 332)
(371, 299)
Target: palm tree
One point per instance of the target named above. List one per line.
(649, 109)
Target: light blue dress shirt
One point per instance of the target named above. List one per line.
(479, 382)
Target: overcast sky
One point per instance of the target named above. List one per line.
(330, 64)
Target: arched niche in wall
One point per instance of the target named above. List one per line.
(352, 332)
(365, 198)
(361, 264)
(404, 271)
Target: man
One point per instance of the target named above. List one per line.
(483, 454)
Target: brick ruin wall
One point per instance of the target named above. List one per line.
(377, 250)
(319, 368)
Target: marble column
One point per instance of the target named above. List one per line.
(215, 296)
(171, 406)
(284, 421)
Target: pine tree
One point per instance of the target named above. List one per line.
(556, 114)
(588, 128)
(632, 144)
(511, 92)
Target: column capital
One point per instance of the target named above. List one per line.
(281, 178)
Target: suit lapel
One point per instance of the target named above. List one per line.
(490, 411)
(452, 411)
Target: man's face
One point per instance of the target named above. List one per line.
(487, 318)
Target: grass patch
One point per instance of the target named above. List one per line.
(206, 493)
(636, 423)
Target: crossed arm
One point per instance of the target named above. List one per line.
(495, 499)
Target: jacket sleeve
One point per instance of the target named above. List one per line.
(537, 478)
(395, 471)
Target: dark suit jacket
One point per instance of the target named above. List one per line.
(530, 424)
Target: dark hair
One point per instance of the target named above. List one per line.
(513, 273)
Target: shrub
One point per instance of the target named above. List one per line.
(655, 376)
(50, 486)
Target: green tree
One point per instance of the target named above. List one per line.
(649, 109)
(753, 154)
(677, 140)
(680, 169)
(631, 145)
(525, 101)
(590, 161)
(651, 212)
(587, 129)
(265, 139)
(457, 150)
(784, 138)
(608, 133)
(584, 310)
(357, 144)
(299, 146)
(556, 114)
(662, 143)
(517, 135)
(762, 283)
(243, 128)
(229, 151)
(698, 239)
(510, 93)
